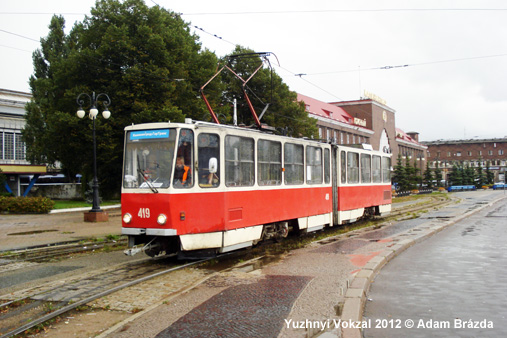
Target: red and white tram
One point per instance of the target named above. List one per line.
(203, 187)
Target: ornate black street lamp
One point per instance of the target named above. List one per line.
(94, 102)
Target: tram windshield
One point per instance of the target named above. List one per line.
(148, 159)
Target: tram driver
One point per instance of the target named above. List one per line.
(182, 173)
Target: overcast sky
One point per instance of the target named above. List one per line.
(446, 60)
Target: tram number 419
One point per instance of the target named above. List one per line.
(144, 213)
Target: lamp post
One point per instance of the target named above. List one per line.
(94, 102)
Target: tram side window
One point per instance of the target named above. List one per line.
(327, 166)
(352, 167)
(239, 161)
(375, 170)
(208, 152)
(386, 169)
(269, 162)
(343, 165)
(365, 168)
(313, 165)
(184, 168)
(293, 163)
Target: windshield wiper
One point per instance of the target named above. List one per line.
(150, 185)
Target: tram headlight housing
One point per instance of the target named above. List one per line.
(161, 219)
(127, 218)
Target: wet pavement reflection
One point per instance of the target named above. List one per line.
(447, 283)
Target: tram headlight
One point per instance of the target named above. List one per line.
(127, 218)
(161, 219)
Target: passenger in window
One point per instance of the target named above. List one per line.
(182, 173)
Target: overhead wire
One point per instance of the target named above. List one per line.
(408, 65)
(352, 10)
(301, 75)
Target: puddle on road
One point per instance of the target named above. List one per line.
(258, 264)
(251, 265)
(469, 231)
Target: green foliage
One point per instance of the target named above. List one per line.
(152, 68)
(400, 176)
(456, 176)
(266, 87)
(3, 179)
(143, 57)
(490, 176)
(406, 175)
(25, 205)
(438, 175)
(428, 176)
(469, 176)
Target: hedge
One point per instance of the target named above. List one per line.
(26, 205)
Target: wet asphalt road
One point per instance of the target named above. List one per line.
(446, 283)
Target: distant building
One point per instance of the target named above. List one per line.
(13, 161)
(365, 121)
(474, 153)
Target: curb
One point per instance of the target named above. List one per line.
(58, 211)
(355, 297)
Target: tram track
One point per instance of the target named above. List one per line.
(44, 254)
(438, 201)
(55, 301)
(98, 285)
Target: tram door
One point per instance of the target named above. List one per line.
(334, 180)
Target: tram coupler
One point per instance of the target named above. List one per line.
(135, 250)
(132, 251)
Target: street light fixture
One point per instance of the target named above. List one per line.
(94, 102)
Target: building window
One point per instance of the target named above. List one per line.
(458, 154)
(20, 151)
(500, 152)
(490, 152)
(12, 147)
(8, 146)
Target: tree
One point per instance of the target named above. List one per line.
(468, 175)
(490, 176)
(456, 176)
(3, 179)
(144, 58)
(438, 175)
(400, 176)
(428, 176)
(411, 178)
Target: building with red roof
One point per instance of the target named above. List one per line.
(365, 121)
